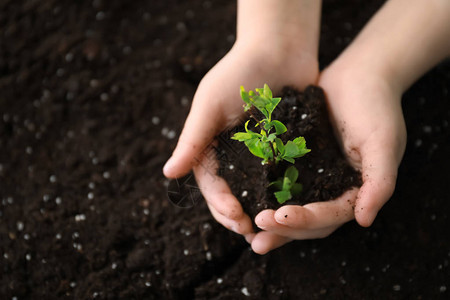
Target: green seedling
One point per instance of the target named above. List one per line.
(266, 144)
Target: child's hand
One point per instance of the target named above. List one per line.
(218, 106)
(368, 121)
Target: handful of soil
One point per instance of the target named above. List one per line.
(324, 172)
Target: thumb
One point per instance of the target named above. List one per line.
(199, 130)
(379, 172)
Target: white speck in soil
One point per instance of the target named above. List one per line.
(304, 116)
(106, 175)
(60, 72)
(80, 217)
(208, 256)
(147, 242)
(26, 236)
(427, 129)
(94, 160)
(148, 284)
(219, 280)
(187, 232)
(52, 178)
(5, 255)
(58, 200)
(343, 263)
(75, 235)
(100, 16)
(94, 83)
(367, 269)
(181, 26)
(90, 195)
(95, 294)
(245, 291)
(171, 134)
(418, 143)
(433, 217)
(302, 254)
(146, 211)
(206, 226)
(320, 171)
(313, 250)
(164, 131)
(184, 99)
(45, 198)
(70, 95)
(10, 200)
(244, 193)
(28, 256)
(442, 288)
(14, 298)
(91, 185)
(69, 57)
(156, 120)
(186, 252)
(343, 281)
(73, 284)
(231, 167)
(58, 236)
(113, 266)
(20, 226)
(397, 287)
(104, 97)
(29, 150)
(157, 272)
(44, 261)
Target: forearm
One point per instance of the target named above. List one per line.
(404, 40)
(286, 23)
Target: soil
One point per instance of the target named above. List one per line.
(93, 97)
(324, 172)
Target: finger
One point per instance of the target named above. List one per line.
(198, 132)
(215, 189)
(379, 174)
(264, 242)
(241, 226)
(266, 221)
(318, 215)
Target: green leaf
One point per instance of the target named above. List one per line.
(255, 148)
(277, 184)
(280, 145)
(283, 196)
(242, 136)
(289, 159)
(279, 127)
(287, 183)
(244, 95)
(271, 137)
(290, 149)
(296, 189)
(267, 91)
(291, 173)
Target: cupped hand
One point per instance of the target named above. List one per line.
(217, 106)
(366, 113)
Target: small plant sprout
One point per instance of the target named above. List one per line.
(267, 145)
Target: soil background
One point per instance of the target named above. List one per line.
(93, 95)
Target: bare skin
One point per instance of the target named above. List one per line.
(363, 86)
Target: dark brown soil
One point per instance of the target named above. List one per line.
(324, 172)
(92, 97)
